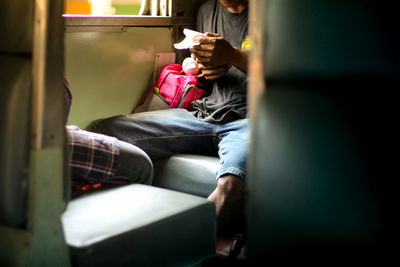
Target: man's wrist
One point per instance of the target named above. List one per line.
(235, 57)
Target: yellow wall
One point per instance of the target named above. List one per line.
(77, 7)
(110, 72)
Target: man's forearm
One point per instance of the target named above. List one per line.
(239, 60)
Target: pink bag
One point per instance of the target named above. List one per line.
(174, 89)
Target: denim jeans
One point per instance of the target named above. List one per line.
(163, 133)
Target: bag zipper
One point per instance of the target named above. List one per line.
(188, 87)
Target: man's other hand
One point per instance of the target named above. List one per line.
(211, 72)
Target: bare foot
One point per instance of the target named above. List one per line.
(228, 197)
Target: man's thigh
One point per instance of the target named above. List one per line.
(162, 133)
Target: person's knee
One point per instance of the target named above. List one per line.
(104, 126)
(135, 164)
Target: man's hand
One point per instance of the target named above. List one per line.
(213, 49)
(212, 72)
(217, 55)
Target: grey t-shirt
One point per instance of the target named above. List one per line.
(228, 98)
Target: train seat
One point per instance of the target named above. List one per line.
(188, 173)
(139, 225)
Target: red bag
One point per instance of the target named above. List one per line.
(174, 89)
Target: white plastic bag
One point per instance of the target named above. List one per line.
(188, 41)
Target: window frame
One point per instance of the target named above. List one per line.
(116, 20)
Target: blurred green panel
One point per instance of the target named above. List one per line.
(121, 9)
(109, 72)
(16, 30)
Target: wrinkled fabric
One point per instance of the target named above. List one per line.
(167, 132)
(93, 157)
(228, 99)
(67, 97)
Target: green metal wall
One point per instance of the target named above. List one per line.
(110, 72)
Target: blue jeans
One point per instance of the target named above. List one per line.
(163, 133)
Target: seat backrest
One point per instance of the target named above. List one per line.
(317, 187)
(16, 19)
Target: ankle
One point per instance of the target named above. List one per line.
(231, 184)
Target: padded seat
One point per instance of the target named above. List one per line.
(139, 225)
(192, 174)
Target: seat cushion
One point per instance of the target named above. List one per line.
(139, 225)
(192, 174)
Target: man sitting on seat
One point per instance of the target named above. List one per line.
(218, 123)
